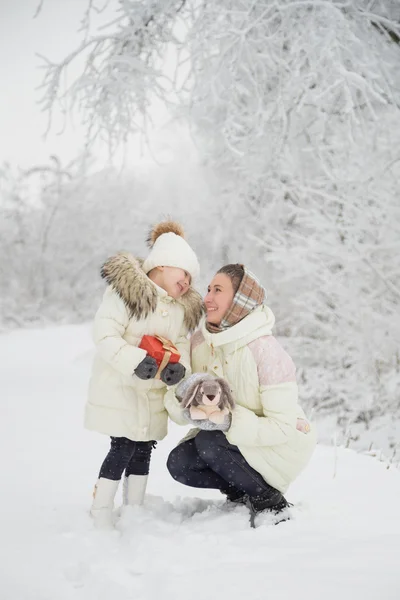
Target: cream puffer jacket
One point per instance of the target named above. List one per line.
(268, 425)
(120, 404)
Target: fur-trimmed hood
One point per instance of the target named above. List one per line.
(125, 274)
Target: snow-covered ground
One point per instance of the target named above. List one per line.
(343, 542)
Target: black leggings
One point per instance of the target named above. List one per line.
(210, 461)
(126, 455)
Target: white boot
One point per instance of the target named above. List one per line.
(134, 489)
(103, 503)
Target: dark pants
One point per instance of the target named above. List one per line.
(126, 455)
(210, 461)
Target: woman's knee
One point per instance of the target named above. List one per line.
(182, 460)
(176, 463)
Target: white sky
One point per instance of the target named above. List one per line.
(53, 33)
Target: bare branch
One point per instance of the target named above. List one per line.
(38, 9)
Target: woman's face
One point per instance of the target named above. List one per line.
(219, 298)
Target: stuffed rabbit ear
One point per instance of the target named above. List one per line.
(227, 398)
(186, 384)
(190, 394)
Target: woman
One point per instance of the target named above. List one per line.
(269, 441)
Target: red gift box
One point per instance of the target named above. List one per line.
(161, 349)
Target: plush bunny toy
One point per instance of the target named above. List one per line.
(207, 401)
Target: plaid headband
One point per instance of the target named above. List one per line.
(249, 295)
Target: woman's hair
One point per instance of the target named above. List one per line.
(235, 274)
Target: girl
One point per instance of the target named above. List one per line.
(125, 401)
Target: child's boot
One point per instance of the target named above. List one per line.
(103, 503)
(134, 489)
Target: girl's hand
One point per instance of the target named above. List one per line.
(173, 373)
(146, 369)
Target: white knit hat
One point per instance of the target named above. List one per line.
(170, 249)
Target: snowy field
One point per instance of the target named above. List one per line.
(343, 542)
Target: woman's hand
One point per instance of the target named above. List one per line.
(180, 391)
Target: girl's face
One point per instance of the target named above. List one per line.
(218, 298)
(174, 281)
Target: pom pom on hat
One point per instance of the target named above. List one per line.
(170, 249)
(164, 227)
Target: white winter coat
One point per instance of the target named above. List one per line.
(268, 425)
(119, 403)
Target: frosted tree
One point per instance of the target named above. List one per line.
(29, 207)
(59, 223)
(294, 104)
